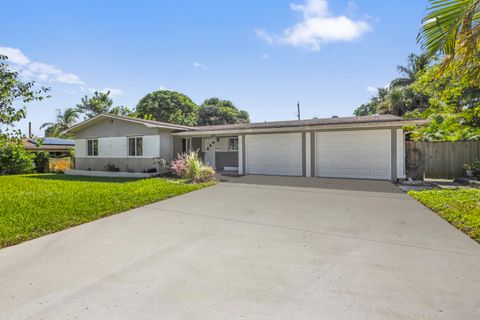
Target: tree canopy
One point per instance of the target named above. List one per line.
(214, 111)
(64, 120)
(168, 106)
(15, 95)
(99, 103)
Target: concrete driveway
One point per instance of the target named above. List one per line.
(252, 248)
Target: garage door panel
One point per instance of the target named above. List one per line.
(353, 154)
(274, 154)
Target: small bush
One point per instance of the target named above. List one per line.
(111, 167)
(14, 159)
(59, 164)
(189, 166)
(41, 161)
(474, 167)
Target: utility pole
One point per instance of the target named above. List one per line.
(298, 110)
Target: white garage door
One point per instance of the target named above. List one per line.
(354, 154)
(274, 154)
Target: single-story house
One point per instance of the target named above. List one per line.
(54, 146)
(369, 147)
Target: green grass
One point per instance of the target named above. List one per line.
(35, 205)
(460, 207)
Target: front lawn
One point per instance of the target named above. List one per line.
(35, 205)
(460, 207)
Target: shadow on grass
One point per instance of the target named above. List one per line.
(64, 177)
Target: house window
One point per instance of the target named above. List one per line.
(135, 146)
(233, 144)
(92, 147)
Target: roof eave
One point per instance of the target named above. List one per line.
(379, 124)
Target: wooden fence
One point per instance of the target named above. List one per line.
(439, 160)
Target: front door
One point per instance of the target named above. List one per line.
(209, 148)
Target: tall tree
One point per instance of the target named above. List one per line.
(168, 106)
(15, 95)
(214, 111)
(97, 104)
(64, 120)
(451, 28)
(123, 111)
(416, 64)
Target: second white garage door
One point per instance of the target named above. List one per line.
(354, 154)
(274, 154)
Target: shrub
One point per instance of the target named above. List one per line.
(14, 159)
(41, 161)
(189, 166)
(474, 167)
(178, 166)
(111, 167)
(59, 164)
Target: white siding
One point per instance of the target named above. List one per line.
(308, 150)
(400, 154)
(117, 147)
(275, 154)
(240, 155)
(80, 148)
(354, 154)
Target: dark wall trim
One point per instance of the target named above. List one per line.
(304, 155)
(244, 158)
(393, 136)
(313, 150)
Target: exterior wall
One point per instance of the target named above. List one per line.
(177, 146)
(112, 135)
(124, 164)
(115, 128)
(400, 154)
(226, 159)
(117, 147)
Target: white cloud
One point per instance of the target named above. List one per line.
(14, 55)
(372, 90)
(317, 27)
(113, 91)
(162, 87)
(49, 72)
(38, 70)
(199, 65)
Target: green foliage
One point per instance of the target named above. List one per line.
(168, 106)
(459, 207)
(214, 111)
(14, 159)
(98, 104)
(123, 111)
(454, 102)
(451, 28)
(64, 120)
(56, 201)
(41, 161)
(14, 98)
(474, 167)
(189, 166)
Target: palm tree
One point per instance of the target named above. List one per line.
(416, 63)
(65, 119)
(451, 27)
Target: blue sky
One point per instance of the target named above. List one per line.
(262, 55)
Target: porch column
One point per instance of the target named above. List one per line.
(308, 150)
(241, 151)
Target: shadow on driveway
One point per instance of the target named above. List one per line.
(322, 183)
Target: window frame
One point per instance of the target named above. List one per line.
(135, 144)
(235, 145)
(93, 141)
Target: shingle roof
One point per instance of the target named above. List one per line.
(303, 123)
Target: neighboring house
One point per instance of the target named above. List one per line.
(55, 146)
(370, 147)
